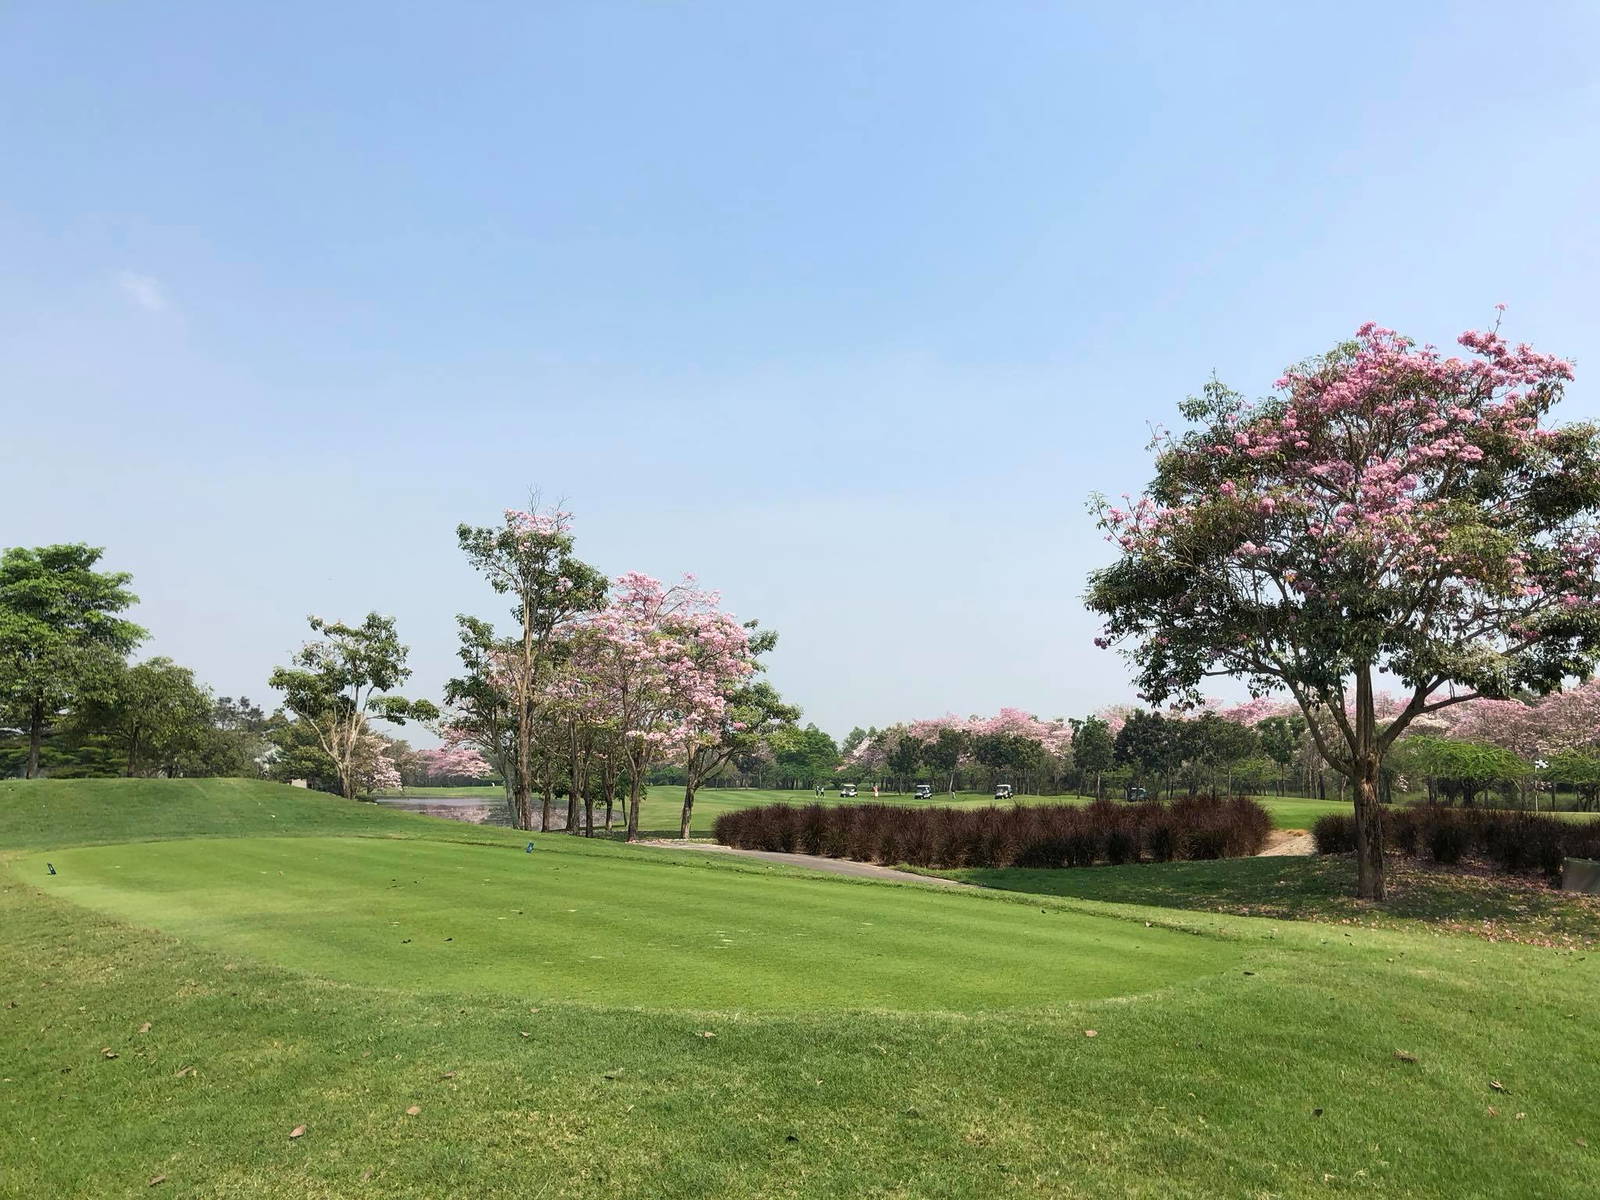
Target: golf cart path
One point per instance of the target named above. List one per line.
(812, 862)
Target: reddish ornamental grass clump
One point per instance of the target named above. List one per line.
(1057, 835)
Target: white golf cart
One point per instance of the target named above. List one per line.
(924, 791)
(847, 791)
(1002, 791)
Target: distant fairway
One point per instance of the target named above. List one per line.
(663, 804)
(625, 929)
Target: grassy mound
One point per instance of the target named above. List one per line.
(606, 925)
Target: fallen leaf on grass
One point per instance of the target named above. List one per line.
(155, 1179)
(182, 1071)
(366, 1175)
(108, 1051)
(1493, 1111)
(413, 1110)
(1405, 1056)
(145, 1028)
(1091, 1033)
(524, 1033)
(1580, 1142)
(1497, 1085)
(298, 1131)
(1520, 1117)
(448, 1075)
(705, 1033)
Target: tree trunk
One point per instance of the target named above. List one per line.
(1368, 765)
(1369, 836)
(688, 808)
(35, 737)
(635, 776)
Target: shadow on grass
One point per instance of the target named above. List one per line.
(1317, 888)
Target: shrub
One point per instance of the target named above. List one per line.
(1334, 834)
(1512, 842)
(1034, 836)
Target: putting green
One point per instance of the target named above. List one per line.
(616, 927)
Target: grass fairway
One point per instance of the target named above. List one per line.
(604, 925)
(169, 1012)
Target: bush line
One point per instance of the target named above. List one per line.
(1056, 835)
(1514, 842)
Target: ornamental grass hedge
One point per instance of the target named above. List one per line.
(1055, 835)
(1517, 843)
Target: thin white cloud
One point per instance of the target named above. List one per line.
(144, 290)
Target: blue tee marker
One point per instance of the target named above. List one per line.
(52, 867)
(528, 849)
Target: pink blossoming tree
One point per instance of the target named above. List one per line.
(662, 662)
(1388, 509)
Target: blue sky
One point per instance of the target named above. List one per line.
(845, 308)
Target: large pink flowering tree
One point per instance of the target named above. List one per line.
(662, 662)
(1389, 509)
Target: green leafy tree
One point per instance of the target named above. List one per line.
(805, 756)
(157, 715)
(61, 639)
(1461, 770)
(1149, 743)
(945, 752)
(1092, 750)
(341, 681)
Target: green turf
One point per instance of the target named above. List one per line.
(1276, 1075)
(558, 925)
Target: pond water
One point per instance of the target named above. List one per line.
(475, 810)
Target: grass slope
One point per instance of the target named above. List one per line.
(1277, 1076)
(619, 927)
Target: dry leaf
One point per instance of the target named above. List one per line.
(448, 1075)
(1520, 1117)
(155, 1179)
(1580, 1142)
(1493, 1111)
(145, 1028)
(1091, 1033)
(108, 1052)
(366, 1175)
(1497, 1085)
(1405, 1056)
(182, 1071)
(524, 1033)
(413, 1110)
(298, 1131)
(705, 1033)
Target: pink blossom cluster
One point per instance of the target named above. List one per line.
(1561, 721)
(453, 760)
(662, 661)
(1355, 470)
(539, 524)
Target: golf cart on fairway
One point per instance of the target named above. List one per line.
(1002, 791)
(1136, 794)
(847, 791)
(924, 792)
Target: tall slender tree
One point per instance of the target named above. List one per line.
(341, 681)
(529, 557)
